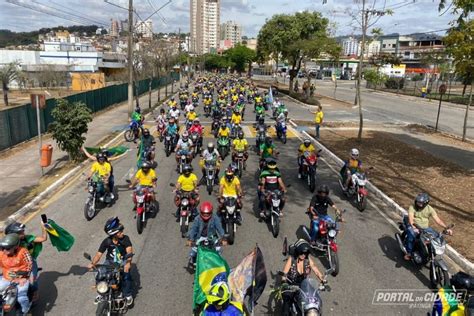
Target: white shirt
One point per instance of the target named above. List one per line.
(184, 145)
(206, 155)
(174, 113)
(187, 108)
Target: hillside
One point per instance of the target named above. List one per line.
(9, 38)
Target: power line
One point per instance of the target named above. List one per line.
(76, 12)
(66, 12)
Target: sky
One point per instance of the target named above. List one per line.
(409, 16)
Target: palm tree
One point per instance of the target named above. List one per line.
(8, 73)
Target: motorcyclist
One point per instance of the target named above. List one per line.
(240, 144)
(350, 167)
(224, 131)
(258, 101)
(16, 264)
(196, 128)
(103, 169)
(172, 103)
(187, 184)
(206, 225)
(192, 115)
(108, 158)
(236, 118)
(298, 268)
(218, 302)
(318, 209)
(445, 304)
(174, 113)
(147, 142)
(183, 147)
(267, 149)
(305, 147)
(229, 186)
(210, 153)
(418, 219)
(116, 246)
(259, 110)
(145, 178)
(34, 244)
(270, 180)
(161, 118)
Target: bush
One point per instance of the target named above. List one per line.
(374, 78)
(395, 83)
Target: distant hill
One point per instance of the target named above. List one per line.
(9, 38)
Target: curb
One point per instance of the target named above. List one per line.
(53, 187)
(459, 259)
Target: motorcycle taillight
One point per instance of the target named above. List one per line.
(322, 228)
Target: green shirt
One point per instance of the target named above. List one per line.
(267, 151)
(33, 247)
(422, 218)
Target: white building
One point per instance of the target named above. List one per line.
(231, 31)
(145, 28)
(205, 25)
(350, 46)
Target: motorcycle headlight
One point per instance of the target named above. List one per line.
(231, 209)
(185, 202)
(102, 287)
(438, 247)
(276, 203)
(91, 189)
(332, 233)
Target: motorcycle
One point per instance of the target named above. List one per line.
(183, 160)
(9, 296)
(160, 128)
(310, 163)
(210, 167)
(210, 243)
(215, 126)
(240, 163)
(229, 217)
(207, 110)
(195, 101)
(133, 132)
(170, 143)
(236, 128)
(98, 197)
(223, 145)
(273, 206)
(108, 283)
(357, 187)
(428, 248)
(185, 205)
(197, 142)
(216, 114)
(281, 131)
(260, 114)
(143, 200)
(260, 138)
(183, 103)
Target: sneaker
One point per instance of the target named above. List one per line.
(112, 196)
(262, 214)
(299, 175)
(97, 299)
(102, 198)
(239, 220)
(129, 300)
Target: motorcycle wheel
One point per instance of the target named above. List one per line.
(102, 309)
(209, 189)
(90, 209)
(334, 263)
(239, 170)
(161, 138)
(230, 232)
(283, 138)
(362, 204)
(442, 277)
(129, 136)
(184, 227)
(167, 150)
(312, 183)
(275, 225)
(139, 224)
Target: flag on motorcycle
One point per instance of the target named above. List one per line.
(140, 154)
(60, 238)
(210, 268)
(248, 279)
(270, 95)
(111, 152)
(446, 303)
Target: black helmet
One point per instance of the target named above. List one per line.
(261, 120)
(421, 201)
(162, 110)
(323, 189)
(100, 157)
(10, 241)
(271, 163)
(241, 135)
(15, 228)
(146, 132)
(302, 247)
(268, 141)
(187, 169)
(229, 173)
(145, 165)
(137, 109)
(463, 281)
(113, 226)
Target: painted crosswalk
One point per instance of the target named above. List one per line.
(249, 131)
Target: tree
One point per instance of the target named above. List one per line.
(241, 55)
(69, 126)
(9, 73)
(294, 38)
(374, 78)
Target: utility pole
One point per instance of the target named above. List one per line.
(130, 57)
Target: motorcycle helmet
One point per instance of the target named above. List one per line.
(171, 121)
(210, 147)
(223, 125)
(355, 153)
(421, 201)
(100, 157)
(138, 110)
(185, 136)
(241, 135)
(172, 98)
(261, 120)
(229, 174)
(113, 226)
(271, 163)
(323, 189)
(196, 121)
(10, 241)
(236, 111)
(268, 141)
(463, 281)
(15, 228)
(205, 210)
(219, 294)
(187, 169)
(145, 166)
(307, 142)
(146, 132)
(191, 108)
(302, 247)
(162, 111)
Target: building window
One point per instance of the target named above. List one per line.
(407, 54)
(384, 45)
(92, 81)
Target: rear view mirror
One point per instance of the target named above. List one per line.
(87, 256)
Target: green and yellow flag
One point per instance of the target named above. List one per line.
(60, 238)
(210, 269)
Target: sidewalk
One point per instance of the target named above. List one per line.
(20, 171)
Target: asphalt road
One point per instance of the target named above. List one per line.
(368, 252)
(383, 107)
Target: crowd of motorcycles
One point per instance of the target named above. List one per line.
(219, 107)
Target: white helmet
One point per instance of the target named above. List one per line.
(355, 153)
(191, 108)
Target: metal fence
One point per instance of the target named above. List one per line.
(19, 124)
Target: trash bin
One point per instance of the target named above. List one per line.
(46, 155)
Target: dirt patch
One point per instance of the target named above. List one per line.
(402, 170)
(451, 139)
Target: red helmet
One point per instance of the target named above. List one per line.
(206, 210)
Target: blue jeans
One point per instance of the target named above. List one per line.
(126, 281)
(317, 130)
(111, 183)
(22, 294)
(411, 235)
(315, 225)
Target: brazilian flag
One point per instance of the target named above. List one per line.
(446, 304)
(110, 152)
(210, 269)
(140, 153)
(59, 237)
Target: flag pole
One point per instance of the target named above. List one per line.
(253, 278)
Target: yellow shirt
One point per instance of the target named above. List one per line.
(258, 99)
(146, 179)
(172, 103)
(188, 183)
(235, 98)
(225, 92)
(229, 188)
(240, 144)
(207, 101)
(224, 132)
(318, 118)
(303, 148)
(236, 118)
(102, 169)
(191, 116)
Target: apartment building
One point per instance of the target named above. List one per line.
(231, 31)
(145, 28)
(205, 26)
